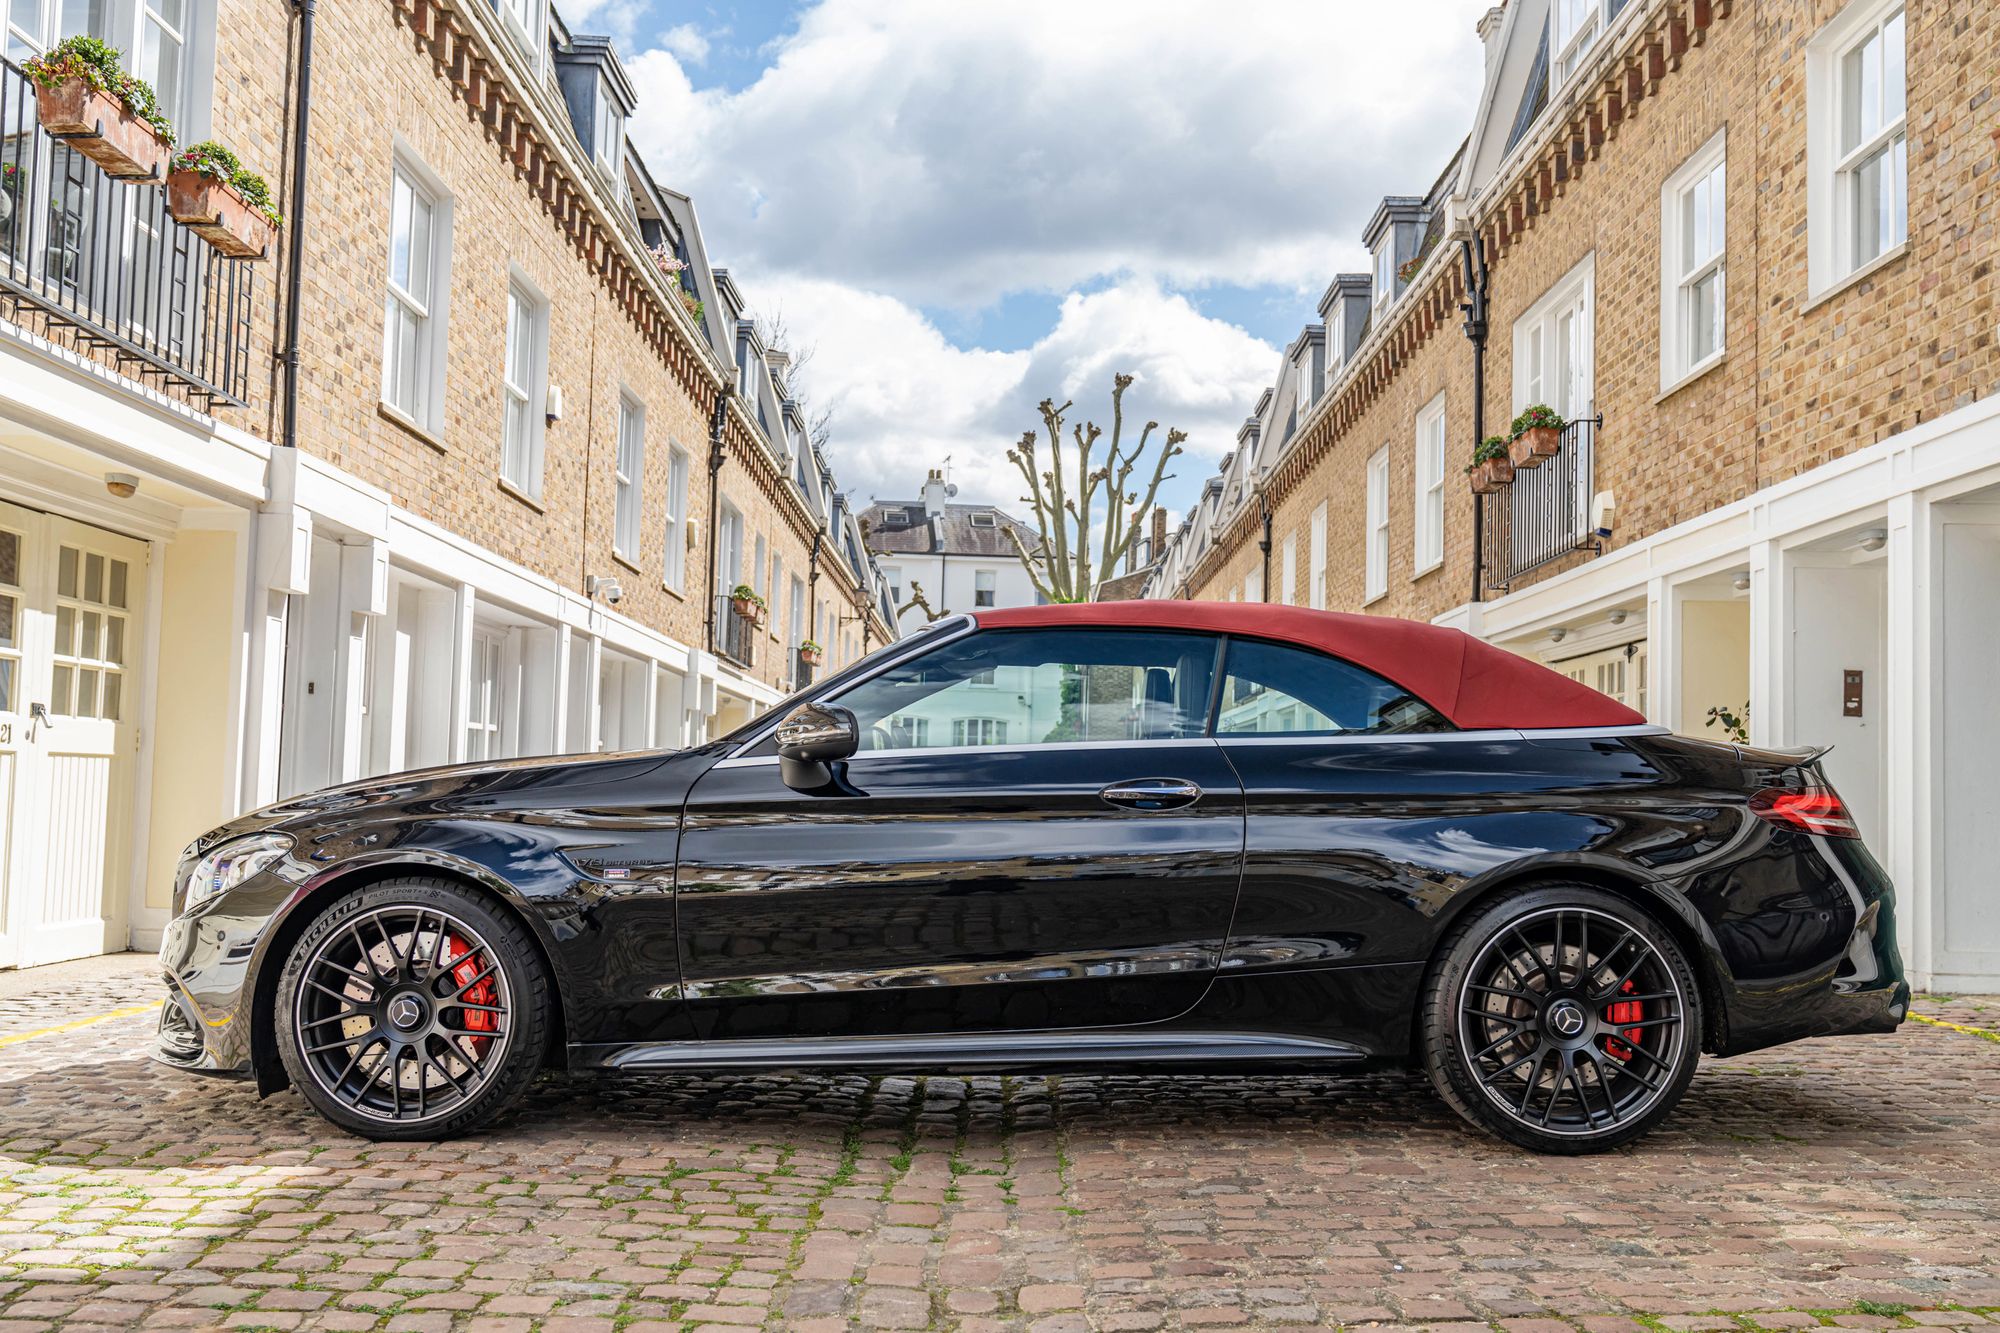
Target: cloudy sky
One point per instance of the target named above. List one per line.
(964, 206)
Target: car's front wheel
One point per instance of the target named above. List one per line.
(412, 1010)
(1563, 1019)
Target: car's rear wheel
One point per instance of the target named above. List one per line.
(412, 1010)
(1563, 1019)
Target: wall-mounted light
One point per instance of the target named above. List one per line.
(121, 484)
(1740, 581)
(1558, 634)
(554, 409)
(1873, 539)
(1618, 617)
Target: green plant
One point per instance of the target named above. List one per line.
(1493, 446)
(96, 63)
(1735, 725)
(743, 592)
(1539, 417)
(209, 158)
(811, 646)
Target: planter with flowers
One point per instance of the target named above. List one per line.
(746, 603)
(85, 98)
(1537, 435)
(811, 653)
(214, 196)
(1490, 468)
(672, 267)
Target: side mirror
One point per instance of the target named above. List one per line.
(814, 736)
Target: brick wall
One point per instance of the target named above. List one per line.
(1801, 383)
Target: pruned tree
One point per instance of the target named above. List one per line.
(1073, 499)
(922, 603)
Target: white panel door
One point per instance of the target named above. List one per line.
(66, 767)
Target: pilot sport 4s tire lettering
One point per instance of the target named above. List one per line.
(412, 1010)
(1563, 1019)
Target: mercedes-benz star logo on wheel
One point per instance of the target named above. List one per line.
(404, 1011)
(1566, 1019)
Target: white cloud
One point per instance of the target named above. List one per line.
(949, 153)
(687, 42)
(904, 397)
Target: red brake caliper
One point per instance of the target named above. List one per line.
(464, 966)
(1624, 1011)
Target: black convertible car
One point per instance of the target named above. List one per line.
(1141, 835)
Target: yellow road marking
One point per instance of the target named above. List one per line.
(1966, 1028)
(132, 1011)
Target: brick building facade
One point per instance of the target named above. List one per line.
(536, 442)
(1747, 249)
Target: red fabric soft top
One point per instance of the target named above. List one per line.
(1475, 685)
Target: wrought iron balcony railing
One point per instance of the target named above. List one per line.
(735, 637)
(1544, 514)
(802, 670)
(98, 265)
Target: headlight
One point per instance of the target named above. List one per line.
(232, 863)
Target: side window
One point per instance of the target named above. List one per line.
(1028, 687)
(1270, 689)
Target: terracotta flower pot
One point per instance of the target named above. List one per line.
(1542, 441)
(811, 656)
(99, 126)
(217, 214)
(744, 607)
(1492, 474)
(1521, 453)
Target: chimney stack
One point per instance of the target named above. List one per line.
(1489, 35)
(935, 493)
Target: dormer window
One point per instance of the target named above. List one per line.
(982, 518)
(1574, 27)
(1305, 381)
(609, 137)
(523, 21)
(1385, 268)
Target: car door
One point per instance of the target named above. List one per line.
(1365, 809)
(1036, 834)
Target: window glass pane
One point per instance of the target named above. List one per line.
(66, 571)
(10, 559)
(86, 694)
(420, 250)
(65, 631)
(114, 695)
(7, 685)
(1892, 69)
(1872, 221)
(119, 574)
(1023, 687)
(8, 635)
(1705, 318)
(59, 692)
(114, 638)
(1861, 93)
(1274, 689)
(93, 577)
(400, 202)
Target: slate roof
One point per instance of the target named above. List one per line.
(898, 527)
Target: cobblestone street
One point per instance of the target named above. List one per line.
(1859, 1179)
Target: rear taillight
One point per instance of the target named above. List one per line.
(1811, 809)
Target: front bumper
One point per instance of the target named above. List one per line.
(209, 961)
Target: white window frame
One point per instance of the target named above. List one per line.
(524, 386)
(1427, 499)
(1700, 183)
(1537, 355)
(986, 583)
(485, 666)
(1832, 257)
(1385, 267)
(629, 470)
(608, 131)
(1572, 35)
(1376, 561)
(673, 562)
(523, 20)
(1305, 394)
(1290, 566)
(1316, 559)
(432, 308)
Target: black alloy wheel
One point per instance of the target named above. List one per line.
(412, 1009)
(1563, 1019)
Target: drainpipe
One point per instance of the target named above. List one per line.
(1473, 252)
(716, 455)
(1264, 543)
(295, 251)
(812, 586)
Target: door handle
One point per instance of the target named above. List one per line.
(1152, 794)
(38, 717)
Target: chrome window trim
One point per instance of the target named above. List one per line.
(1484, 735)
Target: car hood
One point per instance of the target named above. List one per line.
(449, 788)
